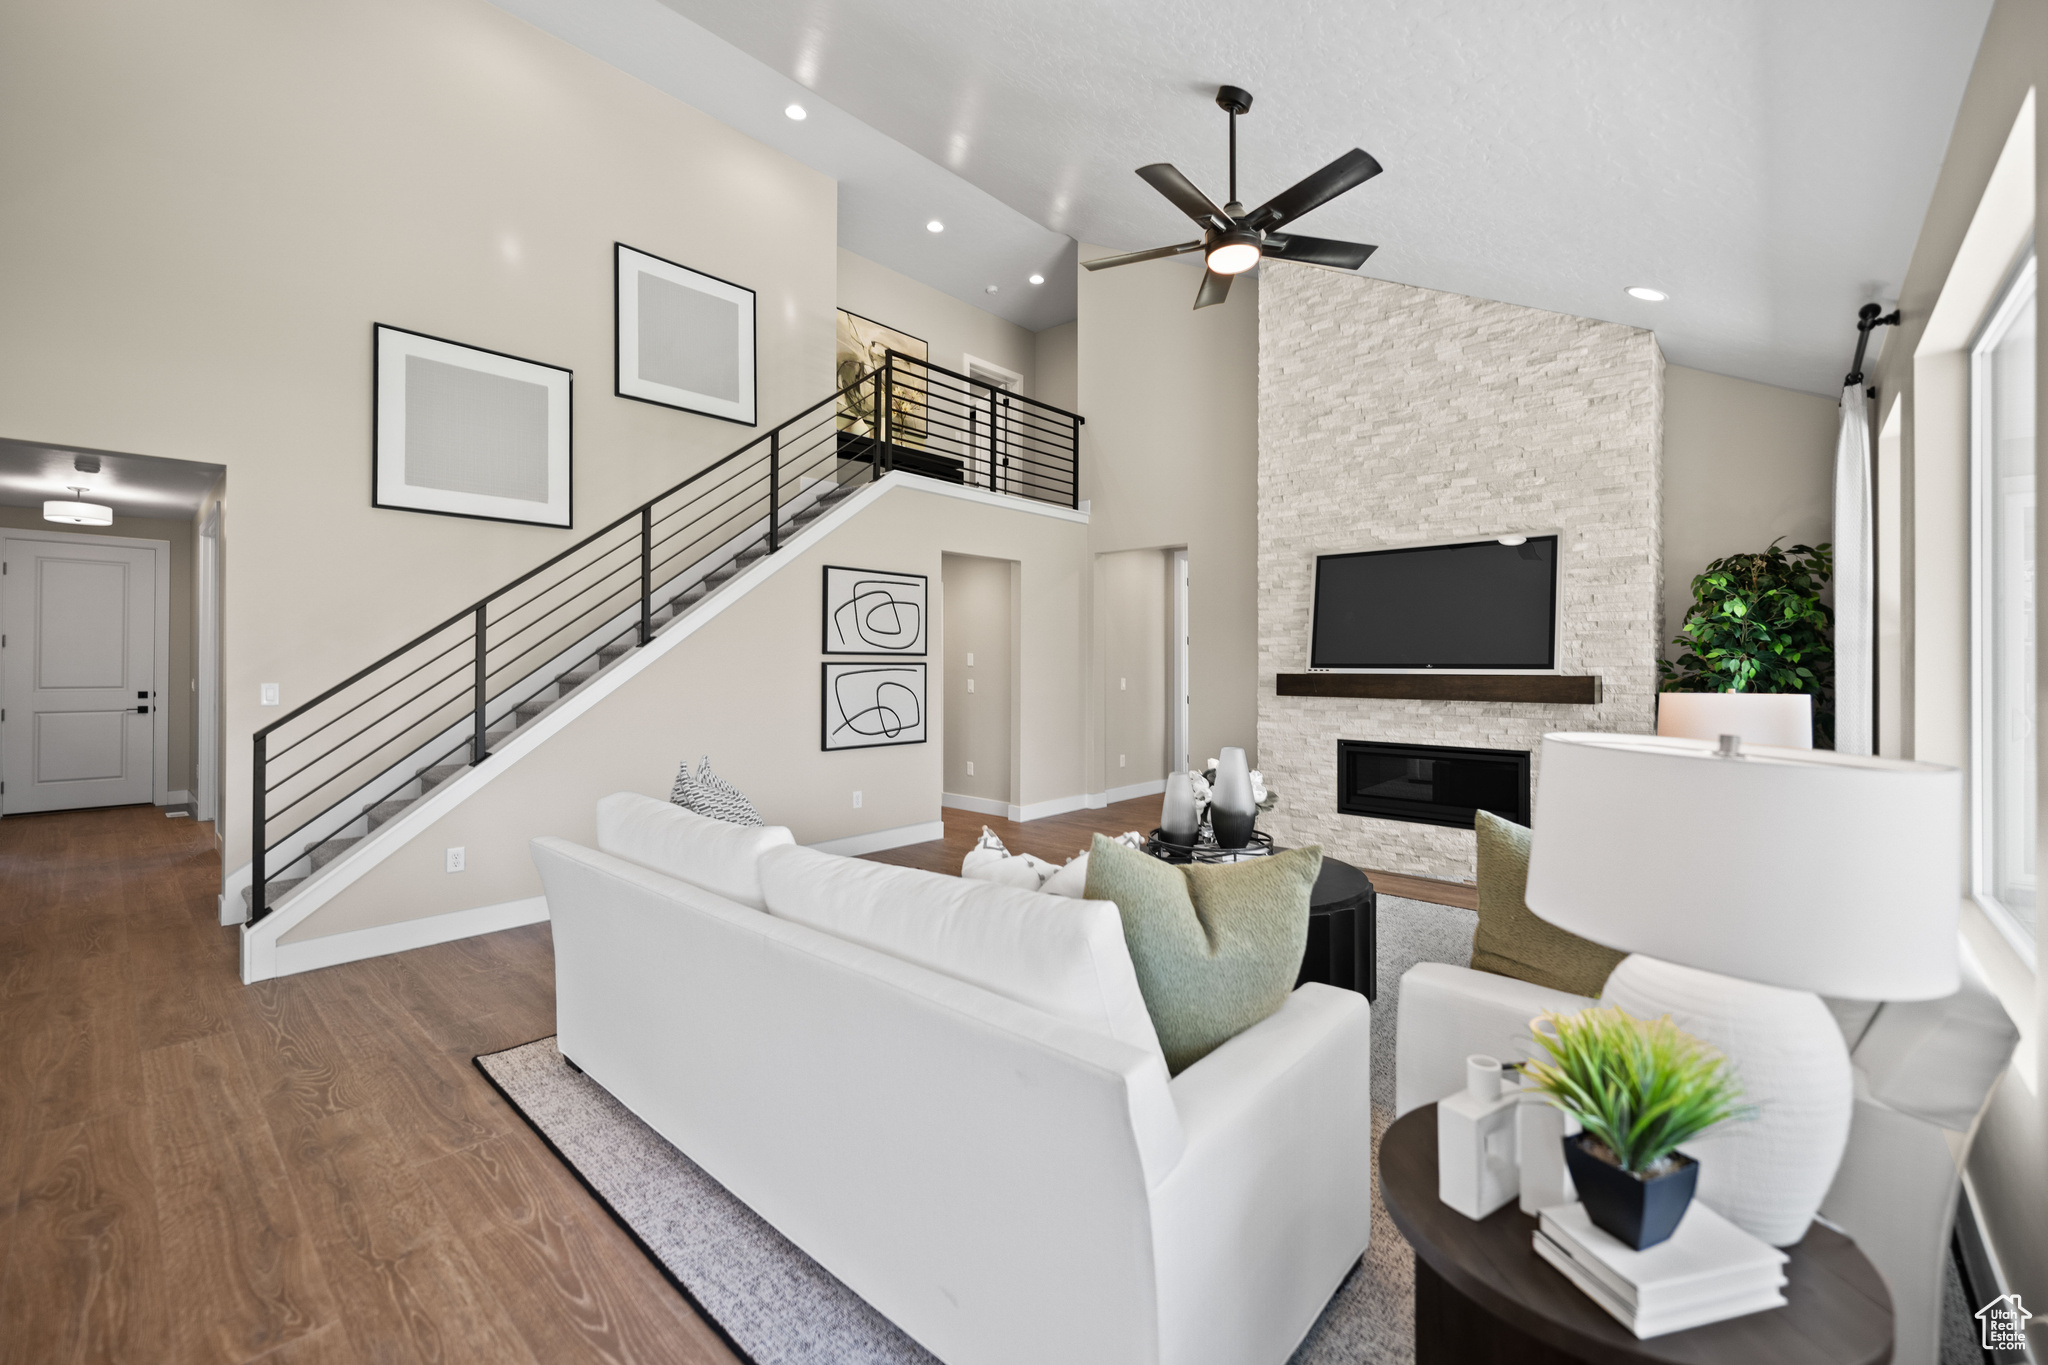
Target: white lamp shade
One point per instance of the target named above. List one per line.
(1800, 868)
(1780, 718)
(78, 513)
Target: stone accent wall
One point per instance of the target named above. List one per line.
(1391, 415)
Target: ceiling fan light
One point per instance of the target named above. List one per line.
(78, 513)
(1233, 253)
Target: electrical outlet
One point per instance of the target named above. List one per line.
(970, 659)
(1119, 760)
(1123, 684)
(970, 770)
(456, 860)
(270, 694)
(856, 800)
(970, 684)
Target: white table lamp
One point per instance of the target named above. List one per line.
(1747, 884)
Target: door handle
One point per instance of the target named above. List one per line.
(142, 710)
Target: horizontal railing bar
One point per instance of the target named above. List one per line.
(969, 379)
(335, 748)
(344, 715)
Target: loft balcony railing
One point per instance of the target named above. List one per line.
(330, 771)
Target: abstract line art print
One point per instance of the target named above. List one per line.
(872, 705)
(872, 611)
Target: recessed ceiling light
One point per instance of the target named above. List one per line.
(990, 290)
(1038, 279)
(1645, 293)
(797, 112)
(935, 226)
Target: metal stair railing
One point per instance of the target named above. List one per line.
(330, 771)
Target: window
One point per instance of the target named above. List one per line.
(2002, 380)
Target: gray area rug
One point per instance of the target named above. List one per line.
(776, 1306)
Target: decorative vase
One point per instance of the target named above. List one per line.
(1180, 820)
(1232, 811)
(1637, 1212)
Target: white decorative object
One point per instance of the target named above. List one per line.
(1784, 719)
(1180, 812)
(1540, 1130)
(1787, 871)
(1475, 1141)
(1707, 1271)
(1768, 1174)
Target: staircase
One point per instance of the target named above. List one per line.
(357, 756)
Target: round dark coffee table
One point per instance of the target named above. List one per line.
(1343, 921)
(1484, 1297)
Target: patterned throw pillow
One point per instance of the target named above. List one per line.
(683, 793)
(989, 861)
(713, 796)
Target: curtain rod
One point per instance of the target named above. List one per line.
(1866, 319)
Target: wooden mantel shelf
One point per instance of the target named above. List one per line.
(1579, 690)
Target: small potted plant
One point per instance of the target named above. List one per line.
(1639, 1088)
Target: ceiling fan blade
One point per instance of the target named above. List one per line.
(1215, 288)
(1317, 250)
(1184, 195)
(1104, 262)
(1353, 168)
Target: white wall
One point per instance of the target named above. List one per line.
(1169, 457)
(1744, 464)
(1058, 383)
(977, 628)
(1134, 611)
(220, 197)
(1975, 226)
(745, 690)
(1391, 415)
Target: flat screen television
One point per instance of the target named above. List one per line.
(1477, 605)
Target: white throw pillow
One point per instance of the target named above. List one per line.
(1072, 880)
(712, 854)
(989, 861)
(1062, 956)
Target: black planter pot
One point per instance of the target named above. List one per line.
(1640, 1213)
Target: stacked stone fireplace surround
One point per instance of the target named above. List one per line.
(1390, 415)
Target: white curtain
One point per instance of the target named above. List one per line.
(1855, 578)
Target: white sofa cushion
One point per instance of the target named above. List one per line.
(1066, 957)
(712, 854)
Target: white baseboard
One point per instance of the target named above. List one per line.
(980, 805)
(177, 798)
(1038, 810)
(381, 940)
(853, 845)
(1097, 800)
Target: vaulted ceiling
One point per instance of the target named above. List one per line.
(1765, 163)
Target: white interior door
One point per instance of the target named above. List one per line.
(78, 669)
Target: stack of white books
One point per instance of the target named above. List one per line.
(1708, 1270)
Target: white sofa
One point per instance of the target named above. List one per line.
(956, 1128)
(1924, 1072)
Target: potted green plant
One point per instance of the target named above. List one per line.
(1639, 1088)
(1757, 624)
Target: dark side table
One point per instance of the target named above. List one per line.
(1484, 1297)
(1343, 923)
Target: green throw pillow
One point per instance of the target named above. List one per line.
(1217, 948)
(1511, 939)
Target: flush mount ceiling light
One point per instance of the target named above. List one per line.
(990, 290)
(797, 112)
(79, 513)
(1646, 294)
(1233, 240)
(935, 226)
(1038, 279)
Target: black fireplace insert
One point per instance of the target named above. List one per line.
(1431, 784)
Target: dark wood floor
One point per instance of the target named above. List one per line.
(1059, 837)
(307, 1170)
(310, 1169)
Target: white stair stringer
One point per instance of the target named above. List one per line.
(260, 946)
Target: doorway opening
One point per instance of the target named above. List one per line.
(100, 631)
(978, 614)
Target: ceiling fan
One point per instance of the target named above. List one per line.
(1233, 241)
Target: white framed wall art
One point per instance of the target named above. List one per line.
(873, 704)
(872, 611)
(683, 339)
(465, 432)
